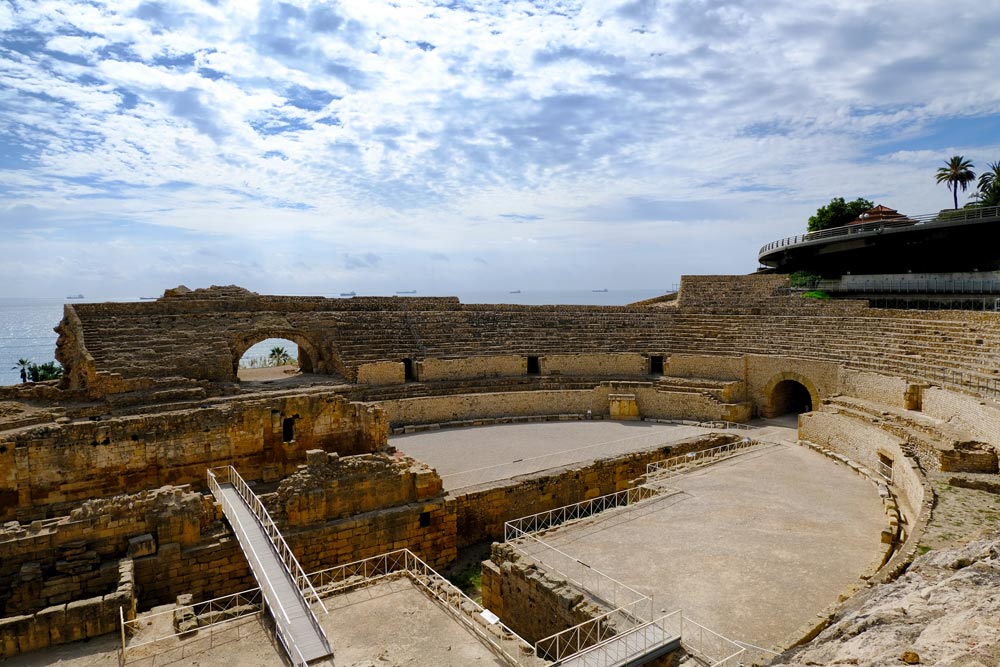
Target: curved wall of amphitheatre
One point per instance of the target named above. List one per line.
(908, 389)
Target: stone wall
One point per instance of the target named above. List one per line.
(605, 364)
(332, 487)
(482, 511)
(508, 365)
(652, 402)
(706, 366)
(55, 561)
(874, 387)
(531, 601)
(979, 418)
(46, 470)
(77, 620)
(381, 373)
(821, 378)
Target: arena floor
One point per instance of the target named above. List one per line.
(470, 456)
(753, 547)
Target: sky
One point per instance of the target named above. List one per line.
(321, 147)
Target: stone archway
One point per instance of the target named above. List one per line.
(309, 355)
(789, 393)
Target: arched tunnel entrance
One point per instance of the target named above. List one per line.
(789, 397)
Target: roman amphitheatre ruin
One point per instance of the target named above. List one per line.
(729, 475)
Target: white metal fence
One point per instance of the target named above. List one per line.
(503, 641)
(675, 465)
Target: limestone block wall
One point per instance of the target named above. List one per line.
(79, 619)
(381, 373)
(56, 561)
(764, 372)
(507, 365)
(980, 418)
(534, 603)
(441, 409)
(706, 366)
(46, 470)
(623, 364)
(210, 569)
(333, 487)
(859, 441)
(482, 511)
(652, 403)
(428, 529)
(882, 389)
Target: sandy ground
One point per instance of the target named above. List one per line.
(470, 456)
(752, 547)
(267, 373)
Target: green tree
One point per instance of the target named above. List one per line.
(838, 213)
(279, 356)
(957, 172)
(24, 365)
(989, 180)
(42, 372)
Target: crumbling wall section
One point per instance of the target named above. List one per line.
(46, 470)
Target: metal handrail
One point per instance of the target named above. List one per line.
(659, 469)
(284, 551)
(875, 227)
(533, 523)
(403, 561)
(234, 478)
(591, 632)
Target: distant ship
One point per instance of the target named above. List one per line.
(600, 290)
(348, 294)
(75, 296)
(148, 298)
(412, 291)
(516, 291)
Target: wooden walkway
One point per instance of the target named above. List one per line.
(296, 625)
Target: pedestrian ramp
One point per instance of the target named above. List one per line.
(282, 582)
(630, 648)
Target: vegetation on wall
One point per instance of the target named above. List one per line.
(838, 213)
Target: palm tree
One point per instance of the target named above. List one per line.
(957, 172)
(989, 178)
(279, 356)
(24, 365)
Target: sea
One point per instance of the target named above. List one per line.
(27, 324)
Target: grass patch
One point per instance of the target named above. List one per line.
(922, 549)
(469, 580)
(816, 294)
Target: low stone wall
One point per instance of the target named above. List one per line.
(625, 364)
(533, 602)
(482, 511)
(882, 389)
(72, 621)
(706, 366)
(652, 403)
(467, 368)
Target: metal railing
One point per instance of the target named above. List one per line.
(877, 226)
(534, 523)
(884, 470)
(284, 553)
(933, 285)
(257, 507)
(709, 645)
(602, 588)
(582, 636)
(984, 386)
(660, 470)
(503, 641)
(209, 615)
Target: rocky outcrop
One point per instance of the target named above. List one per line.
(944, 611)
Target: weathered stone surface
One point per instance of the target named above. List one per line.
(940, 611)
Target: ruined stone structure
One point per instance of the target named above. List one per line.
(102, 476)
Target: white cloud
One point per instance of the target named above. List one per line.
(392, 128)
